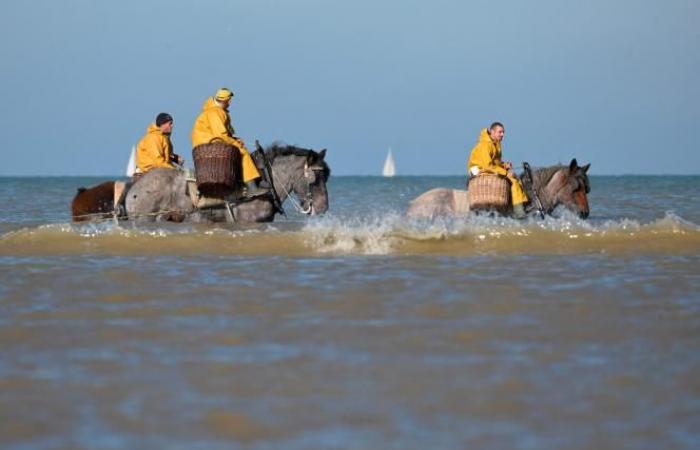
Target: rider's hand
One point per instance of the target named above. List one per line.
(507, 165)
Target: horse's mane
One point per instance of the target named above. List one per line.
(278, 148)
(281, 149)
(542, 175)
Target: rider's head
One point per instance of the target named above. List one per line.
(164, 121)
(223, 97)
(496, 131)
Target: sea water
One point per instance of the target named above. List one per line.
(358, 329)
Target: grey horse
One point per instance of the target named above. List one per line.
(161, 194)
(554, 185)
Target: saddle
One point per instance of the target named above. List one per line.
(201, 201)
(238, 194)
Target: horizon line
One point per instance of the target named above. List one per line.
(361, 175)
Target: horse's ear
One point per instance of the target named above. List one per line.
(586, 167)
(322, 154)
(573, 166)
(257, 145)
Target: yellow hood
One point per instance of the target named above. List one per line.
(153, 128)
(210, 103)
(485, 137)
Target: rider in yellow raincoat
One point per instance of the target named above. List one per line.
(214, 122)
(486, 157)
(155, 149)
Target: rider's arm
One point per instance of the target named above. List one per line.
(217, 123)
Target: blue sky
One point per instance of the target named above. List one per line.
(613, 83)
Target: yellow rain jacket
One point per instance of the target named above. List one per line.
(486, 157)
(154, 150)
(214, 122)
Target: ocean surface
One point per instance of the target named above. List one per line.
(359, 329)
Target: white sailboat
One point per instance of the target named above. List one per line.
(389, 170)
(131, 165)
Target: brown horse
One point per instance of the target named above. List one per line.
(555, 185)
(94, 203)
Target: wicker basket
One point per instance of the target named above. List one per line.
(218, 168)
(489, 192)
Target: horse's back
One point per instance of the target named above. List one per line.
(93, 203)
(438, 202)
(159, 194)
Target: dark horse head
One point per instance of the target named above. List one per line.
(302, 171)
(562, 185)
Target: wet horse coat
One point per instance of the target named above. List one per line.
(94, 203)
(555, 185)
(162, 194)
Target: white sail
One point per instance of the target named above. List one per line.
(389, 169)
(131, 166)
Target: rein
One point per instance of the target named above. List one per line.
(528, 177)
(115, 216)
(308, 196)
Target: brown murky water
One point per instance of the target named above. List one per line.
(401, 352)
(367, 334)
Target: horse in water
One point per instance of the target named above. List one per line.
(555, 185)
(163, 194)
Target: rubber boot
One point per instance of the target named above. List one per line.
(519, 211)
(252, 190)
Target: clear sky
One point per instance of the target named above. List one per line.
(612, 82)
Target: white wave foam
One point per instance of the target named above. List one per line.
(126, 229)
(371, 236)
(375, 235)
(378, 235)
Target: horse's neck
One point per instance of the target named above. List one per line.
(283, 177)
(542, 185)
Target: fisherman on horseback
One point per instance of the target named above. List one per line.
(214, 123)
(486, 158)
(155, 149)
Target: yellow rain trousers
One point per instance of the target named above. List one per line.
(214, 122)
(486, 156)
(154, 150)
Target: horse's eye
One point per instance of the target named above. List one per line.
(581, 185)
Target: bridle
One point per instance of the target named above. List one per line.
(309, 177)
(578, 195)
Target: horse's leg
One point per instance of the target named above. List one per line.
(254, 211)
(460, 202)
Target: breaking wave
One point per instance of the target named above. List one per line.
(381, 235)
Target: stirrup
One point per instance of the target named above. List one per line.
(256, 192)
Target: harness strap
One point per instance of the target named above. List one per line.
(267, 171)
(527, 175)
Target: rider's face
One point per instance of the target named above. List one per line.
(497, 134)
